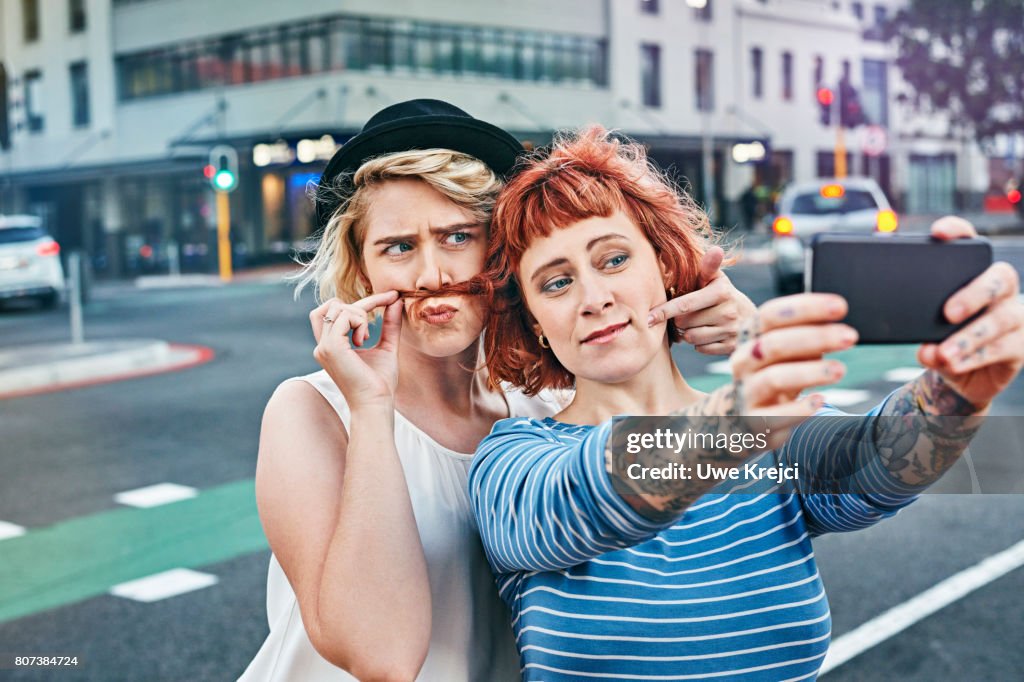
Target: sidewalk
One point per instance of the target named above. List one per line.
(29, 370)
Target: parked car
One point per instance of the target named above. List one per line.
(29, 261)
(827, 205)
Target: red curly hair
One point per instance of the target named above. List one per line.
(582, 175)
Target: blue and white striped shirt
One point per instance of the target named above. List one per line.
(728, 590)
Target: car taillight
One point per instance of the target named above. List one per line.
(832, 191)
(887, 221)
(1013, 196)
(48, 249)
(782, 225)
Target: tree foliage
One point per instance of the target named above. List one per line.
(965, 59)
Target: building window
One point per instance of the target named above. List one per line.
(787, 76)
(858, 10)
(351, 43)
(30, 19)
(756, 71)
(33, 101)
(649, 6)
(79, 94)
(875, 93)
(705, 80)
(881, 15)
(76, 15)
(650, 75)
(702, 12)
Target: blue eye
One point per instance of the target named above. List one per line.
(402, 247)
(458, 238)
(556, 285)
(616, 261)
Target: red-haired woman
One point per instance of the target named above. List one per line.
(622, 563)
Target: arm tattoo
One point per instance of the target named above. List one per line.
(720, 412)
(923, 429)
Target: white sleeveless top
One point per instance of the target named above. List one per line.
(470, 638)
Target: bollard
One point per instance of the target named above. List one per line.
(75, 296)
(173, 259)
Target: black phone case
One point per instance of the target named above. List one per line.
(896, 285)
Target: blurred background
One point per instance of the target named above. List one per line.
(157, 155)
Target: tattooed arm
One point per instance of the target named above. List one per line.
(924, 428)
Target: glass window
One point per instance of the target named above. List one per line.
(11, 235)
(705, 80)
(787, 76)
(881, 15)
(875, 93)
(858, 10)
(649, 6)
(756, 71)
(76, 15)
(650, 75)
(34, 100)
(30, 20)
(79, 94)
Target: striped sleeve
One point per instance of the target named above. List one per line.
(842, 452)
(544, 502)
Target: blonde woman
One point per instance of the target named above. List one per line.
(377, 570)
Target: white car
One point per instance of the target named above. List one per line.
(29, 261)
(826, 205)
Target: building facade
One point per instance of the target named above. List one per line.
(114, 105)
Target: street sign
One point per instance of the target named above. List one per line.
(874, 140)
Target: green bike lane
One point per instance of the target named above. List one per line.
(87, 556)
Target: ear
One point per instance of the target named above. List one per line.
(668, 275)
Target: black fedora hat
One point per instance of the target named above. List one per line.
(417, 124)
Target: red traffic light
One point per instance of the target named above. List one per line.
(825, 96)
(209, 171)
(1014, 196)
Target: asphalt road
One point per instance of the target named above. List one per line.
(64, 456)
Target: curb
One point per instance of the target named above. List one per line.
(110, 361)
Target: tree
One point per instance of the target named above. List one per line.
(964, 59)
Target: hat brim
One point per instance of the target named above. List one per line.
(496, 148)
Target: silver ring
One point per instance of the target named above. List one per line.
(328, 320)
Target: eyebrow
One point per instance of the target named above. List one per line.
(562, 261)
(444, 229)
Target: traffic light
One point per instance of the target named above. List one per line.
(851, 114)
(825, 98)
(222, 171)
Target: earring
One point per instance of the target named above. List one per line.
(542, 341)
(671, 292)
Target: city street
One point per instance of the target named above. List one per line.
(66, 455)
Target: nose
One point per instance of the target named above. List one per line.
(595, 295)
(432, 273)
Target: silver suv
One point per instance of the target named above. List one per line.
(826, 205)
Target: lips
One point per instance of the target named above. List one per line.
(606, 334)
(438, 314)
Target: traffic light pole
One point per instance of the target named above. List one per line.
(840, 160)
(224, 235)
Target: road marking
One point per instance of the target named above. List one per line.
(10, 530)
(720, 367)
(86, 556)
(901, 375)
(841, 397)
(902, 616)
(155, 495)
(164, 585)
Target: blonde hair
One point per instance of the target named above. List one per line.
(335, 269)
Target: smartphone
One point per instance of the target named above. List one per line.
(896, 285)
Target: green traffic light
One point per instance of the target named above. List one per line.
(224, 180)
